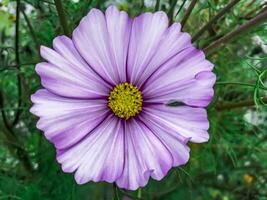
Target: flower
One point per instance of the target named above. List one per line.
(107, 90)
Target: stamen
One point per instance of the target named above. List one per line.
(125, 100)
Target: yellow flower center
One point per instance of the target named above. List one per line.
(125, 100)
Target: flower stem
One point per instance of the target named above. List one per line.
(240, 30)
(245, 103)
(139, 193)
(188, 12)
(115, 192)
(123, 192)
(214, 19)
(62, 16)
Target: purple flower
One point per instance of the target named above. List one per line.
(104, 105)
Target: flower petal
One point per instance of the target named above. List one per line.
(66, 73)
(66, 121)
(147, 30)
(174, 142)
(188, 122)
(119, 29)
(197, 92)
(186, 78)
(145, 155)
(98, 157)
(95, 40)
(172, 42)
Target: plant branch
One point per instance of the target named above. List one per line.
(255, 10)
(188, 12)
(214, 19)
(157, 5)
(17, 34)
(17, 57)
(129, 195)
(5, 120)
(34, 37)
(62, 17)
(240, 30)
(239, 83)
(171, 10)
(181, 7)
(11, 139)
(233, 105)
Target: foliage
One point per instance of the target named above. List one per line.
(232, 165)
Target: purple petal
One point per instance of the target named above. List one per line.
(147, 30)
(119, 29)
(96, 40)
(172, 42)
(98, 157)
(184, 65)
(66, 74)
(174, 142)
(186, 77)
(188, 122)
(66, 121)
(145, 155)
(195, 92)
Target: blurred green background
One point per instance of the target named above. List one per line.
(232, 165)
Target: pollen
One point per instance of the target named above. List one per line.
(125, 100)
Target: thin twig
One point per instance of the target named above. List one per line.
(11, 138)
(239, 84)
(181, 7)
(214, 19)
(157, 5)
(240, 30)
(62, 17)
(5, 119)
(19, 76)
(245, 103)
(32, 32)
(171, 10)
(255, 10)
(188, 12)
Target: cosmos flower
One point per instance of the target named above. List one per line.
(106, 93)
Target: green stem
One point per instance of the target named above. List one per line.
(130, 195)
(238, 83)
(157, 6)
(214, 19)
(181, 7)
(17, 58)
(139, 193)
(233, 105)
(188, 12)
(12, 139)
(262, 17)
(115, 192)
(62, 16)
(171, 10)
(34, 37)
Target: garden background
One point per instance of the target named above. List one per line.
(231, 166)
